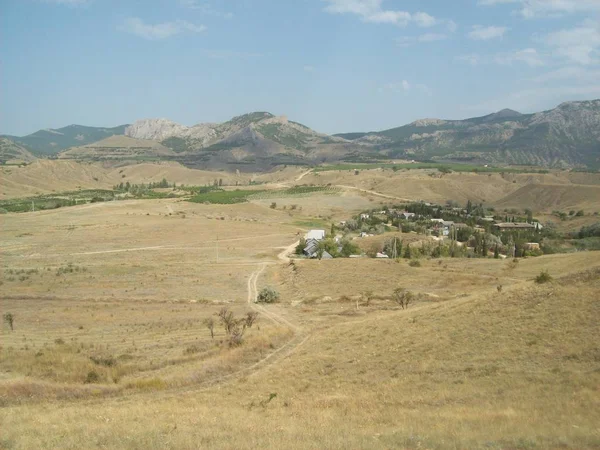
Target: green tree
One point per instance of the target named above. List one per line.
(349, 248)
(301, 246)
(407, 254)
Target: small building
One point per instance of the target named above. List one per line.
(312, 247)
(407, 215)
(381, 256)
(364, 216)
(531, 246)
(514, 226)
(317, 235)
(538, 226)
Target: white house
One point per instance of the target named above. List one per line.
(364, 216)
(317, 235)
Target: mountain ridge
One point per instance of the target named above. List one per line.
(565, 136)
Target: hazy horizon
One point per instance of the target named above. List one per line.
(334, 65)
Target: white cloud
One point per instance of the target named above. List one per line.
(404, 87)
(537, 8)
(473, 59)
(580, 44)
(451, 25)
(69, 2)
(137, 27)
(205, 8)
(578, 73)
(537, 98)
(496, 2)
(547, 8)
(481, 33)
(528, 56)
(406, 41)
(372, 11)
(229, 54)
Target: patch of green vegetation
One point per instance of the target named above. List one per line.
(54, 201)
(288, 137)
(223, 197)
(296, 191)
(312, 223)
(440, 166)
(177, 144)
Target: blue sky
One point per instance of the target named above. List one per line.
(334, 65)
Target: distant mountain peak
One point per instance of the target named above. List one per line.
(506, 112)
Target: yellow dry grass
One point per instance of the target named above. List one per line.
(517, 369)
(541, 192)
(122, 288)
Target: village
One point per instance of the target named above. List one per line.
(433, 231)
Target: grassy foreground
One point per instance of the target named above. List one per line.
(517, 369)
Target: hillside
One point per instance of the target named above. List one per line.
(568, 135)
(255, 140)
(50, 141)
(12, 153)
(510, 370)
(118, 147)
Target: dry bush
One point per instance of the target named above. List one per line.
(402, 297)
(543, 277)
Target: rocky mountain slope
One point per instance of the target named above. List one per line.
(13, 153)
(119, 147)
(256, 139)
(568, 135)
(50, 141)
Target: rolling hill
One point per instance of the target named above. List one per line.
(566, 136)
(254, 140)
(50, 141)
(11, 152)
(118, 147)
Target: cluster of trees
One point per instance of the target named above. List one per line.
(342, 249)
(589, 231)
(234, 327)
(128, 187)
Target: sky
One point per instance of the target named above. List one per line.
(333, 65)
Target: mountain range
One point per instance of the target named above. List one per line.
(566, 136)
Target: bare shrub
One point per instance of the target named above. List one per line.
(402, 297)
(210, 324)
(543, 277)
(251, 318)
(9, 318)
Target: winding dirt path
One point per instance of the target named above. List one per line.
(303, 174)
(378, 194)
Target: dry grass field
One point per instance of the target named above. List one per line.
(541, 192)
(110, 349)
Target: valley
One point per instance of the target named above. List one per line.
(111, 303)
